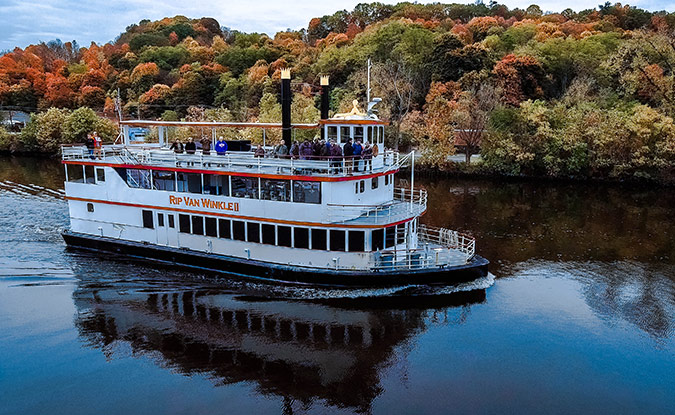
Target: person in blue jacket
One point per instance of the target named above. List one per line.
(221, 146)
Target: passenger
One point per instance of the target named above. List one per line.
(295, 150)
(190, 146)
(259, 151)
(98, 145)
(325, 150)
(348, 151)
(316, 147)
(206, 146)
(89, 142)
(221, 146)
(367, 158)
(336, 156)
(177, 147)
(376, 150)
(281, 151)
(306, 150)
(358, 149)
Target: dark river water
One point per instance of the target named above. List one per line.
(578, 317)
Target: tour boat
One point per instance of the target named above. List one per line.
(331, 221)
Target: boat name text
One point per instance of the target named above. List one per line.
(204, 203)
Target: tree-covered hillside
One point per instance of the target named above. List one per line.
(585, 94)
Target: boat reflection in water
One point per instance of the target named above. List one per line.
(301, 350)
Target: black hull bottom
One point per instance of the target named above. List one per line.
(263, 271)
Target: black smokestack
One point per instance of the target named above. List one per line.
(325, 97)
(286, 106)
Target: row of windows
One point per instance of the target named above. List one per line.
(280, 235)
(218, 184)
(84, 174)
(373, 134)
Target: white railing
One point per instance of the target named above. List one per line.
(240, 161)
(405, 204)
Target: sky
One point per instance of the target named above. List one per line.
(26, 22)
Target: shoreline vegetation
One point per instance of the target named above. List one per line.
(587, 95)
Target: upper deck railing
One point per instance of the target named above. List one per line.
(240, 161)
(406, 204)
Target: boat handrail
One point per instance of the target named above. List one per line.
(400, 206)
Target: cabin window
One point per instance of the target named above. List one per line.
(357, 241)
(100, 175)
(147, 219)
(390, 236)
(224, 230)
(160, 219)
(279, 190)
(75, 173)
(253, 229)
(358, 133)
(284, 236)
(359, 187)
(184, 223)
(269, 234)
(307, 192)
(301, 237)
(332, 132)
(378, 239)
(345, 134)
(138, 178)
(337, 240)
(238, 230)
(89, 174)
(374, 183)
(211, 227)
(198, 225)
(189, 182)
(164, 180)
(171, 221)
(362, 185)
(90, 207)
(216, 184)
(246, 187)
(319, 239)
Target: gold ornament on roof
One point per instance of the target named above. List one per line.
(354, 112)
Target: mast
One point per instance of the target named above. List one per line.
(368, 87)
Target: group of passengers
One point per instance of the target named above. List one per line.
(94, 144)
(356, 156)
(205, 144)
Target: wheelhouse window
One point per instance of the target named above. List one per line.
(216, 184)
(370, 138)
(306, 192)
(345, 133)
(332, 132)
(358, 133)
(279, 190)
(147, 219)
(337, 240)
(357, 241)
(184, 223)
(246, 187)
(75, 173)
(164, 180)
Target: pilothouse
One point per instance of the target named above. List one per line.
(334, 219)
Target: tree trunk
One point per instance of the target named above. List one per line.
(467, 153)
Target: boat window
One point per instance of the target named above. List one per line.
(75, 173)
(370, 137)
(279, 190)
(189, 182)
(363, 186)
(400, 233)
(319, 239)
(90, 207)
(358, 133)
(198, 225)
(253, 231)
(386, 180)
(246, 187)
(147, 219)
(301, 237)
(164, 180)
(357, 241)
(138, 178)
(238, 230)
(306, 192)
(211, 226)
(284, 235)
(184, 223)
(374, 183)
(100, 175)
(160, 219)
(332, 132)
(381, 136)
(337, 240)
(171, 223)
(390, 236)
(268, 234)
(216, 184)
(89, 174)
(224, 228)
(345, 133)
(378, 239)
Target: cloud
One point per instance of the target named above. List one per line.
(26, 22)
